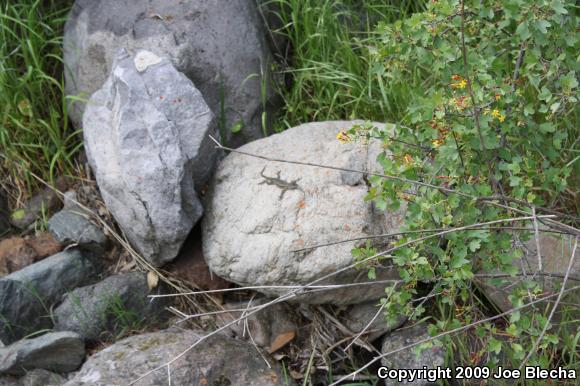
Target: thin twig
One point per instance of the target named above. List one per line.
(537, 239)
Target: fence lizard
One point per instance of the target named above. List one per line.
(284, 185)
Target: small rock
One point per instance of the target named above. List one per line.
(113, 306)
(15, 254)
(264, 327)
(72, 227)
(70, 199)
(27, 295)
(149, 149)
(42, 203)
(218, 360)
(55, 351)
(190, 266)
(407, 359)
(358, 317)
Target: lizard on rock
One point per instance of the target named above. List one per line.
(277, 181)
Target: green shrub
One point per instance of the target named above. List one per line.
(491, 135)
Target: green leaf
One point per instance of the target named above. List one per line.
(474, 245)
(494, 346)
(547, 127)
(558, 7)
(542, 26)
(523, 31)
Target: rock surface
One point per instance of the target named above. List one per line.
(117, 304)
(146, 136)
(73, 227)
(36, 377)
(251, 227)
(216, 361)
(26, 296)
(55, 351)
(364, 316)
(217, 44)
(407, 359)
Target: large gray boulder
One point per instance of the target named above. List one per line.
(252, 225)
(27, 295)
(218, 360)
(146, 136)
(56, 351)
(116, 305)
(217, 44)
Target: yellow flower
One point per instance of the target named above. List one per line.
(462, 83)
(437, 142)
(343, 137)
(408, 159)
(496, 114)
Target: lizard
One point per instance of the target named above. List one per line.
(284, 185)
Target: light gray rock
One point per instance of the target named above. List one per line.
(73, 227)
(407, 359)
(55, 351)
(27, 295)
(115, 305)
(251, 228)
(218, 360)
(369, 317)
(217, 44)
(146, 136)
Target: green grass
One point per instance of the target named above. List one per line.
(35, 136)
(332, 68)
